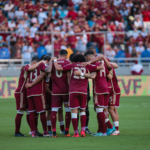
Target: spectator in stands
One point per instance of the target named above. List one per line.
(42, 15)
(138, 24)
(110, 53)
(19, 14)
(140, 48)
(148, 47)
(49, 48)
(26, 50)
(41, 50)
(137, 69)
(145, 54)
(134, 53)
(81, 44)
(9, 6)
(69, 50)
(146, 18)
(18, 54)
(4, 52)
(121, 53)
(12, 24)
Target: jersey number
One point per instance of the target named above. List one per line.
(59, 73)
(83, 70)
(101, 73)
(33, 75)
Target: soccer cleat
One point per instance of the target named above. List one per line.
(62, 132)
(110, 131)
(38, 133)
(19, 135)
(34, 135)
(67, 135)
(83, 134)
(116, 133)
(75, 135)
(50, 132)
(54, 136)
(94, 133)
(100, 134)
(47, 135)
(88, 131)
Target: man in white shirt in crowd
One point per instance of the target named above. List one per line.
(26, 51)
(9, 6)
(110, 53)
(138, 24)
(140, 48)
(19, 14)
(49, 48)
(11, 24)
(42, 15)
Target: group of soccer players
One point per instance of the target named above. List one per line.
(46, 84)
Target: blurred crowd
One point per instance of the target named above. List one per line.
(26, 27)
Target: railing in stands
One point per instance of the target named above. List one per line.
(126, 62)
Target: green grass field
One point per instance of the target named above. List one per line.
(134, 127)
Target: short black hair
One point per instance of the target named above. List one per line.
(35, 58)
(63, 52)
(71, 56)
(78, 58)
(46, 57)
(42, 57)
(89, 52)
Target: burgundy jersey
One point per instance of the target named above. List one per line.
(114, 83)
(39, 88)
(22, 80)
(59, 79)
(100, 82)
(79, 84)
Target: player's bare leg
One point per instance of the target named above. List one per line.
(83, 122)
(61, 121)
(67, 120)
(75, 121)
(108, 124)
(49, 121)
(115, 117)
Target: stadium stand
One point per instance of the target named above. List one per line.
(117, 28)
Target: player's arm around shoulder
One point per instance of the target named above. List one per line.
(114, 65)
(58, 68)
(32, 67)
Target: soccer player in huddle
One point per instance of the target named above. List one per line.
(101, 97)
(60, 86)
(21, 95)
(36, 98)
(77, 90)
(114, 99)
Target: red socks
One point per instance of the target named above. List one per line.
(43, 120)
(83, 121)
(53, 120)
(36, 121)
(18, 122)
(101, 121)
(109, 125)
(67, 120)
(32, 121)
(74, 122)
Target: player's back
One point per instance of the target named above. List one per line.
(22, 80)
(39, 88)
(59, 78)
(100, 81)
(78, 84)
